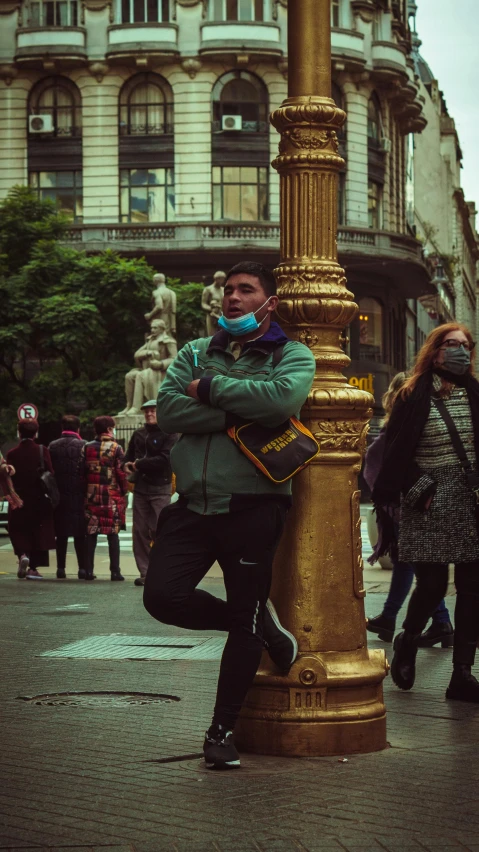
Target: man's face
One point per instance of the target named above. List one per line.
(244, 294)
(150, 414)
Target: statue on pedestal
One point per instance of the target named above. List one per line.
(211, 302)
(151, 363)
(164, 304)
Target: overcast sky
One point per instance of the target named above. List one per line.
(449, 31)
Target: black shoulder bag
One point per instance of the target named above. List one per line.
(471, 475)
(49, 482)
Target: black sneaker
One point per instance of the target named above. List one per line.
(219, 749)
(82, 574)
(281, 644)
(61, 575)
(115, 575)
(140, 581)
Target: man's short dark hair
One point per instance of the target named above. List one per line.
(102, 424)
(265, 276)
(27, 428)
(70, 423)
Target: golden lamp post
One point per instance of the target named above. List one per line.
(331, 702)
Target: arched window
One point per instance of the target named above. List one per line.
(374, 119)
(237, 10)
(242, 94)
(146, 106)
(59, 98)
(370, 330)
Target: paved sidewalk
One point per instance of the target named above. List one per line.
(103, 712)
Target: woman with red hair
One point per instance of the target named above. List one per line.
(430, 469)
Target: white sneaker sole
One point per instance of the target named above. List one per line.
(274, 616)
(23, 567)
(228, 764)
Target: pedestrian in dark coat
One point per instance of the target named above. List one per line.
(70, 513)
(30, 527)
(422, 473)
(147, 460)
(105, 500)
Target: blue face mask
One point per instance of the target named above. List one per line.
(242, 325)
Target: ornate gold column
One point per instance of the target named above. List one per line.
(331, 702)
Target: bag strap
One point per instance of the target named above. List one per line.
(454, 434)
(278, 354)
(42, 463)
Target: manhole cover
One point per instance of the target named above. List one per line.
(98, 699)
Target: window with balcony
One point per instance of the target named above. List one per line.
(244, 95)
(377, 25)
(59, 98)
(240, 193)
(52, 13)
(370, 329)
(63, 188)
(237, 10)
(146, 106)
(145, 11)
(335, 18)
(147, 195)
(375, 200)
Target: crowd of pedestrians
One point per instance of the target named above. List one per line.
(91, 478)
(423, 471)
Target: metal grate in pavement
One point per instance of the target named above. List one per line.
(98, 699)
(118, 647)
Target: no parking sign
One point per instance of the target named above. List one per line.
(27, 411)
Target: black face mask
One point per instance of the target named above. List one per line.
(457, 361)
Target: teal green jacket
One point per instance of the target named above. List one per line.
(212, 474)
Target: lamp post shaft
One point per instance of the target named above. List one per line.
(331, 701)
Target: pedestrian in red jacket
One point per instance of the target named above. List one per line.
(105, 499)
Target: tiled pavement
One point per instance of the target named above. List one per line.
(91, 773)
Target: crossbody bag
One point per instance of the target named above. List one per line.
(280, 452)
(49, 482)
(471, 476)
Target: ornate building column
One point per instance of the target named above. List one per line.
(331, 701)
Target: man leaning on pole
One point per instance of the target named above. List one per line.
(228, 510)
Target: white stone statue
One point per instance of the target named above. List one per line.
(212, 301)
(151, 363)
(164, 304)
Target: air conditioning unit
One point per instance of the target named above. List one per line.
(40, 124)
(232, 122)
(385, 143)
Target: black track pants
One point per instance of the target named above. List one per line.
(244, 543)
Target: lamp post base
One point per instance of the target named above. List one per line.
(329, 703)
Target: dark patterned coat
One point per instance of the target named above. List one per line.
(31, 527)
(70, 513)
(105, 501)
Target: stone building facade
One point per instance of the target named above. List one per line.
(147, 120)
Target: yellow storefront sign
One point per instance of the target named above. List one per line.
(365, 383)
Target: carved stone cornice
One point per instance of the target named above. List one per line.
(97, 6)
(365, 9)
(191, 66)
(189, 3)
(98, 70)
(8, 73)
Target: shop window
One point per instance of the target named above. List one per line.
(237, 10)
(370, 330)
(240, 193)
(243, 94)
(52, 13)
(63, 188)
(59, 98)
(375, 200)
(147, 195)
(145, 11)
(146, 106)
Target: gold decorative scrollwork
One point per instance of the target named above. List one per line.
(311, 111)
(358, 583)
(342, 435)
(307, 338)
(304, 138)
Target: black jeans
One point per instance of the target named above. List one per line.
(113, 552)
(244, 543)
(431, 586)
(61, 544)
